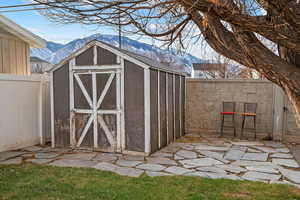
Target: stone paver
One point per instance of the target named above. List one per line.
(199, 162)
(201, 174)
(248, 143)
(151, 173)
(232, 168)
(124, 171)
(250, 150)
(12, 161)
(128, 163)
(79, 156)
(212, 169)
(266, 149)
(178, 170)
(215, 155)
(273, 144)
(10, 154)
(176, 157)
(33, 148)
(161, 161)
(264, 169)
(133, 158)
(105, 157)
(285, 162)
(255, 156)
(281, 155)
(292, 175)
(40, 161)
(162, 154)
(46, 155)
(73, 163)
(254, 176)
(211, 148)
(211, 157)
(187, 154)
(151, 167)
(251, 163)
(283, 150)
(234, 154)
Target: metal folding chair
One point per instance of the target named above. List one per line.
(250, 113)
(228, 110)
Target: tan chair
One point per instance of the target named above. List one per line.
(249, 113)
(228, 110)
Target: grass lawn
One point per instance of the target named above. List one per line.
(45, 182)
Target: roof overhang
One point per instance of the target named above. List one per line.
(20, 32)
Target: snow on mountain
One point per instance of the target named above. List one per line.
(55, 52)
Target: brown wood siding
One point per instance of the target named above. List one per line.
(105, 57)
(110, 100)
(61, 106)
(80, 123)
(154, 110)
(85, 58)
(80, 101)
(170, 109)
(134, 107)
(109, 103)
(177, 106)
(163, 115)
(14, 55)
(183, 105)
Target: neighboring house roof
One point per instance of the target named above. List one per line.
(208, 66)
(143, 61)
(37, 59)
(20, 32)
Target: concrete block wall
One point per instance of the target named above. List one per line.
(204, 103)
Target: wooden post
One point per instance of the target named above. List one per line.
(147, 110)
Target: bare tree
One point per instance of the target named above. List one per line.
(230, 27)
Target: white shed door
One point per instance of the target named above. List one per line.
(97, 110)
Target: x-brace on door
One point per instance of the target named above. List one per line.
(97, 110)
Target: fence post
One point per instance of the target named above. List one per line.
(278, 113)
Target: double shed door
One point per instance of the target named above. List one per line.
(97, 110)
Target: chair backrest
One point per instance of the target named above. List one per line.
(228, 106)
(250, 107)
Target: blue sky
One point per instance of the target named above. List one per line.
(62, 33)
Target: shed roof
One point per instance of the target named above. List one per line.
(148, 61)
(22, 33)
(138, 59)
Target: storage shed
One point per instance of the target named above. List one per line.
(113, 100)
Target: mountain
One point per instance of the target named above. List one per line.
(55, 52)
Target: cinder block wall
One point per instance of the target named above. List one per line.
(204, 103)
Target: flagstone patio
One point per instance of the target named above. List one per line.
(194, 155)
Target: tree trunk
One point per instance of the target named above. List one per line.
(292, 93)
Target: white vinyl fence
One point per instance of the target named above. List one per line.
(24, 111)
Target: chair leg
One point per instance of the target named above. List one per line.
(243, 124)
(233, 121)
(222, 125)
(254, 127)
